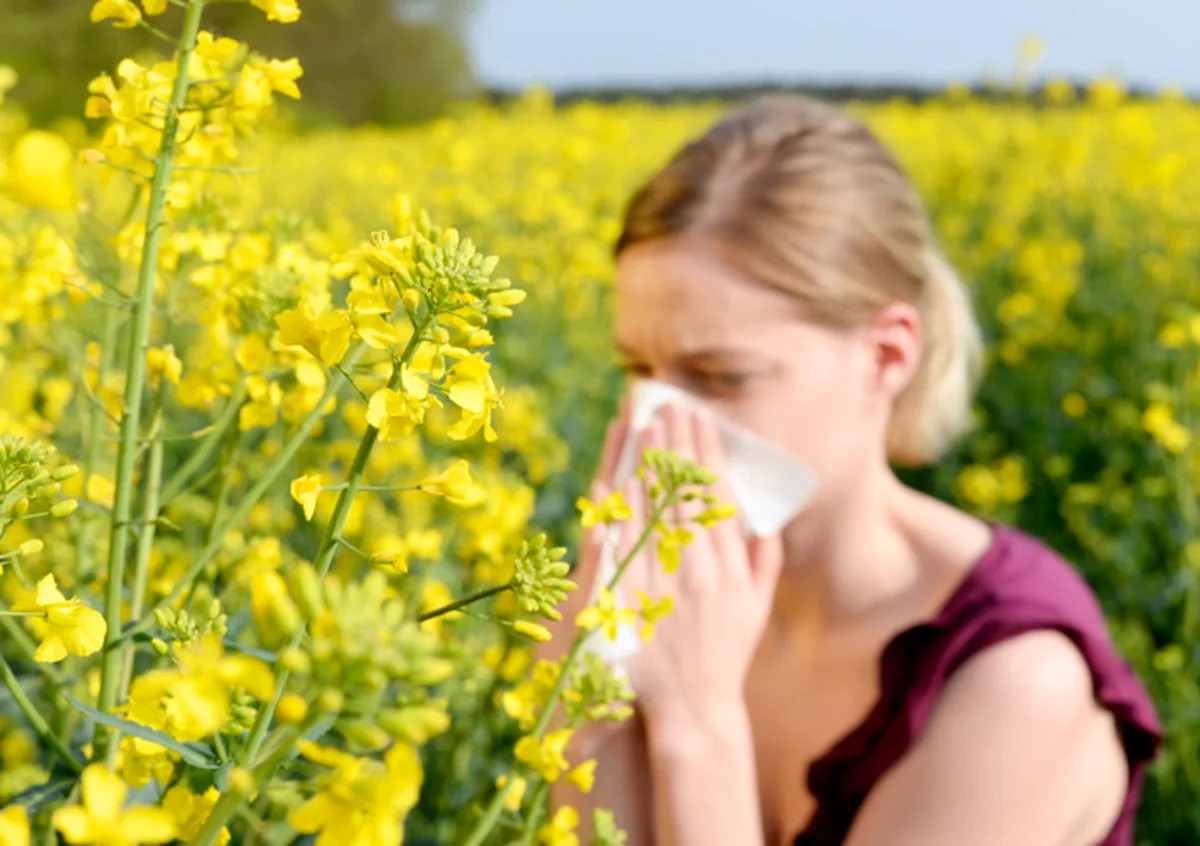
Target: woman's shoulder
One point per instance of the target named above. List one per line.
(1021, 586)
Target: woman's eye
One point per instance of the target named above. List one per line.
(722, 381)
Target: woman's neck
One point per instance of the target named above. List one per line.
(852, 559)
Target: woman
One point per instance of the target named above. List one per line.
(889, 671)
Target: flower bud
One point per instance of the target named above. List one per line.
(31, 547)
(292, 708)
(20, 508)
(440, 335)
(331, 700)
(532, 630)
(305, 586)
(275, 615)
(294, 661)
(160, 647)
(365, 734)
(64, 472)
(63, 508)
(241, 780)
(415, 723)
(432, 671)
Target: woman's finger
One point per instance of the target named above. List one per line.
(610, 454)
(726, 535)
(766, 563)
(635, 575)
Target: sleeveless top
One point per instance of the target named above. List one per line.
(1018, 585)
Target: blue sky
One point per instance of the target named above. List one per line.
(654, 42)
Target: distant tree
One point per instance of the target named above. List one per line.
(378, 61)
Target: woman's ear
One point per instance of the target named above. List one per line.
(894, 336)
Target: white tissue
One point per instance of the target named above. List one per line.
(770, 487)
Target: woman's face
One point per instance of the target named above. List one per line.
(687, 318)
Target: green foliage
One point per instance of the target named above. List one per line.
(365, 61)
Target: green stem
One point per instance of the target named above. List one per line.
(104, 740)
(460, 603)
(231, 802)
(145, 544)
(492, 813)
(178, 481)
(534, 821)
(235, 517)
(35, 718)
(223, 810)
(17, 635)
(95, 440)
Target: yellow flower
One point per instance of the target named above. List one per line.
(291, 709)
(14, 826)
(124, 13)
(140, 760)
(262, 409)
(469, 385)
(560, 831)
(396, 413)
(670, 545)
(282, 75)
(545, 755)
(516, 793)
(362, 802)
(1074, 405)
(652, 611)
(193, 700)
(376, 332)
(305, 491)
(154, 7)
(605, 615)
(326, 337)
(162, 361)
(190, 811)
(275, 614)
(1160, 422)
(8, 81)
(69, 626)
(102, 819)
(100, 490)
(711, 516)
(612, 509)
(583, 776)
(393, 558)
(215, 49)
(284, 11)
(39, 171)
(454, 484)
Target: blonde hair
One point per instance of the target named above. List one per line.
(804, 198)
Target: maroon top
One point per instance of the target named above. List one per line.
(1017, 586)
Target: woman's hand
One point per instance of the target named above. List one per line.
(588, 564)
(697, 660)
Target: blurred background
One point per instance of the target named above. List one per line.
(397, 61)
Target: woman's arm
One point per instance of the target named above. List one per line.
(702, 765)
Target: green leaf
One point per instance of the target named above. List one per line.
(194, 753)
(34, 798)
